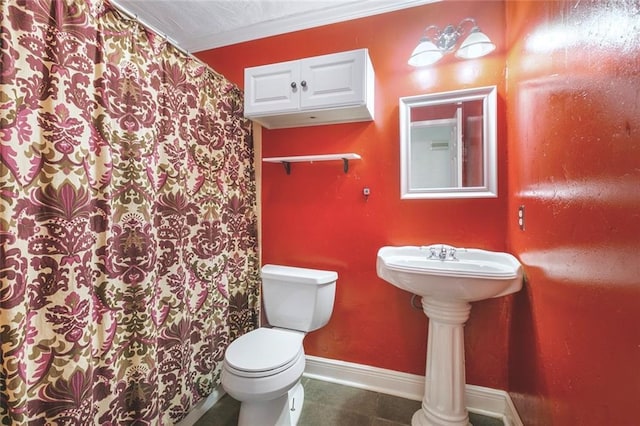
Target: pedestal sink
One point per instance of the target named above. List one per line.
(448, 279)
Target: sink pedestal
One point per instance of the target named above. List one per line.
(443, 403)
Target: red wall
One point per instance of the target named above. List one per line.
(574, 163)
(567, 347)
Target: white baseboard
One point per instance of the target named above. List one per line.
(404, 385)
(202, 407)
(480, 400)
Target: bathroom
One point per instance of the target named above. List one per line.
(565, 347)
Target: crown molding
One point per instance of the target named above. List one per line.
(293, 23)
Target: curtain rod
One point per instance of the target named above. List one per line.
(134, 17)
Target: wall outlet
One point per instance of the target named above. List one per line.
(521, 217)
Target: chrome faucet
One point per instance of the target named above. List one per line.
(443, 253)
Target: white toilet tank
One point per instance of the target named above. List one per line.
(298, 298)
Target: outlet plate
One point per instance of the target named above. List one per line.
(521, 217)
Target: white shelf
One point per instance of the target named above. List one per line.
(286, 161)
(312, 158)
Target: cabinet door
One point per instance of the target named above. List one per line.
(272, 88)
(333, 80)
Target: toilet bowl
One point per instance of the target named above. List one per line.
(262, 369)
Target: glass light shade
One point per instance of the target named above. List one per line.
(425, 53)
(477, 44)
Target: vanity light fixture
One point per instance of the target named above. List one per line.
(436, 43)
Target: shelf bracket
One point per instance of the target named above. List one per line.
(287, 167)
(345, 164)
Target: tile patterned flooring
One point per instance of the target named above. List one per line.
(329, 404)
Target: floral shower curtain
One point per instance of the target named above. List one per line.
(128, 256)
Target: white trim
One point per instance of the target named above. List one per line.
(291, 23)
(202, 407)
(480, 400)
(404, 385)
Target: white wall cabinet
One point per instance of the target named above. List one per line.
(335, 88)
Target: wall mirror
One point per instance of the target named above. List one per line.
(448, 146)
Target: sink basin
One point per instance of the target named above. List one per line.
(466, 275)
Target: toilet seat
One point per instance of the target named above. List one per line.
(264, 352)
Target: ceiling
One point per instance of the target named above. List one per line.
(196, 25)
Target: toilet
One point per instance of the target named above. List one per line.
(262, 369)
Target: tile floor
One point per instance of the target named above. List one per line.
(329, 404)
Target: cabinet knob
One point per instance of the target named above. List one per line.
(303, 83)
(293, 84)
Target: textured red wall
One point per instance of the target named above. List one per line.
(318, 217)
(574, 163)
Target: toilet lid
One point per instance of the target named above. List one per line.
(264, 349)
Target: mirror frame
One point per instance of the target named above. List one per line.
(489, 189)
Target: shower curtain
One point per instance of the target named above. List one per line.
(128, 257)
